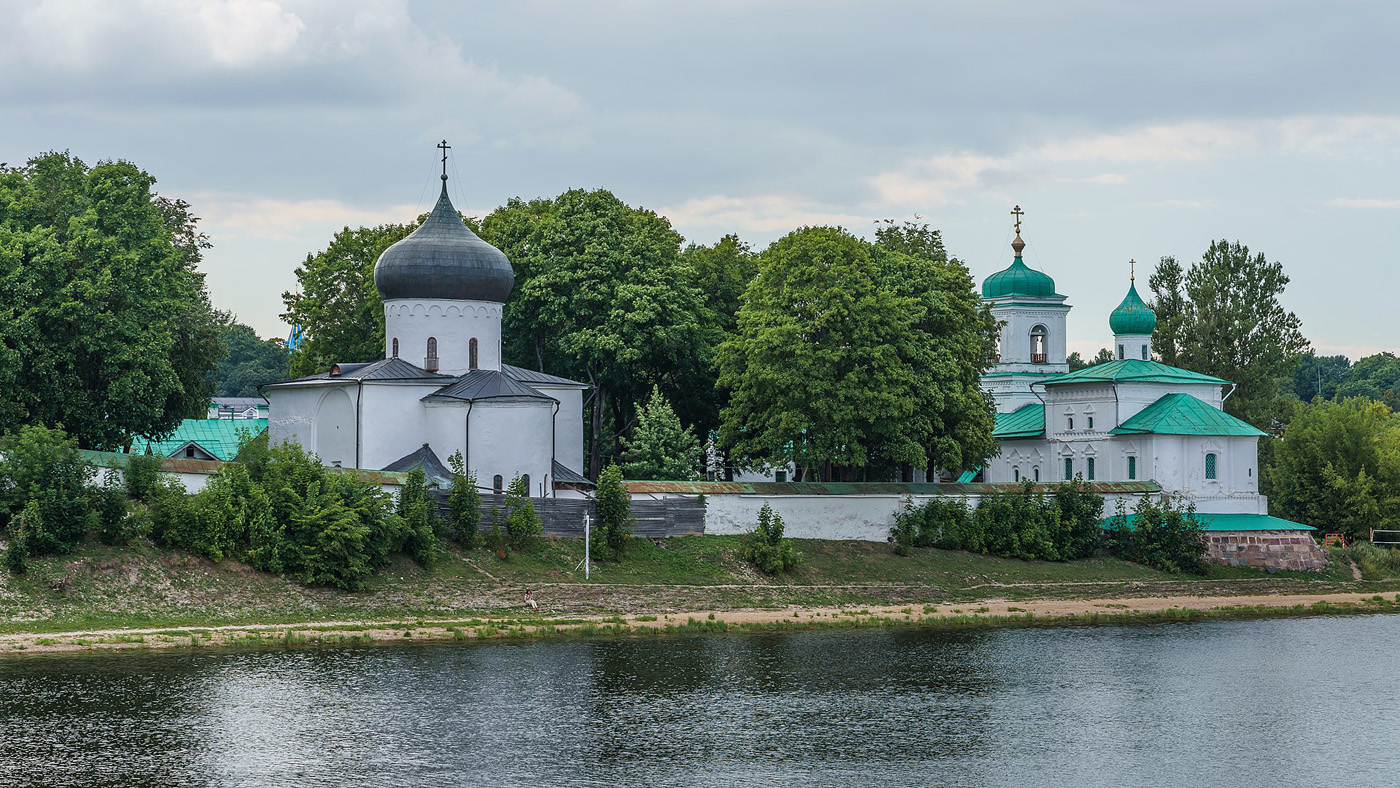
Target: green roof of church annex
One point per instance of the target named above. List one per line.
(219, 437)
(1132, 317)
(1183, 414)
(1133, 370)
(1027, 421)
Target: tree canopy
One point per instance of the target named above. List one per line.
(336, 305)
(105, 325)
(248, 362)
(1223, 318)
(852, 358)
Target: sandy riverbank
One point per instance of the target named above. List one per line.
(543, 623)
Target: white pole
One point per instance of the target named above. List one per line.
(586, 522)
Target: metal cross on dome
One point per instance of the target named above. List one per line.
(1018, 213)
(445, 147)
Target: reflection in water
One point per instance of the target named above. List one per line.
(1227, 703)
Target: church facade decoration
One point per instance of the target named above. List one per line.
(441, 387)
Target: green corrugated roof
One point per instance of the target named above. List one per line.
(1027, 421)
(1236, 522)
(1133, 370)
(219, 437)
(1183, 414)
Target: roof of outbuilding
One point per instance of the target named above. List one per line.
(483, 384)
(1232, 522)
(424, 458)
(1135, 371)
(1027, 421)
(563, 474)
(219, 437)
(1183, 414)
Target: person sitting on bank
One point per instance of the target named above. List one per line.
(530, 599)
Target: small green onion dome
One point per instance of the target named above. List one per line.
(1132, 317)
(1018, 279)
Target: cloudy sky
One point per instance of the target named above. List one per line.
(1125, 130)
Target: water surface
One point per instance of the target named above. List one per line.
(1281, 702)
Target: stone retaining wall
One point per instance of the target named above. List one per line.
(1270, 550)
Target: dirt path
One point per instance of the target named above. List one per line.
(989, 612)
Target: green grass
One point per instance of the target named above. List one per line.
(141, 586)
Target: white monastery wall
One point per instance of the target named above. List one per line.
(453, 323)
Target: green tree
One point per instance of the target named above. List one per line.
(1375, 377)
(1224, 318)
(1077, 362)
(1165, 536)
(1337, 467)
(417, 510)
(463, 502)
(248, 362)
(660, 446)
(336, 303)
(720, 274)
(42, 466)
(615, 521)
(856, 361)
(105, 326)
(765, 546)
(1319, 376)
(522, 521)
(601, 295)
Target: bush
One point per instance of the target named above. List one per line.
(43, 465)
(141, 476)
(112, 524)
(1021, 523)
(1165, 536)
(17, 551)
(937, 522)
(463, 504)
(615, 521)
(522, 521)
(1375, 563)
(766, 548)
(417, 511)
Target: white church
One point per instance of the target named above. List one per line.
(1130, 419)
(441, 387)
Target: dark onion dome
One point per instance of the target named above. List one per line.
(1019, 279)
(1132, 318)
(444, 259)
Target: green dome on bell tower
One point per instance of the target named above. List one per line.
(1132, 317)
(1019, 279)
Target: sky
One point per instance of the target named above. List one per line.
(1124, 130)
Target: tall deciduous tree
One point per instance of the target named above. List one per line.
(719, 273)
(105, 325)
(600, 295)
(1338, 467)
(1320, 376)
(1224, 318)
(248, 362)
(336, 305)
(853, 360)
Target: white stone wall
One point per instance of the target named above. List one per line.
(453, 323)
(510, 439)
(392, 422)
(1020, 317)
(568, 424)
(1134, 346)
(293, 411)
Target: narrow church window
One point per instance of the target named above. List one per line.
(780, 476)
(1089, 468)
(1121, 355)
(1091, 422)
(1015, 474)
(1132, 468)
(1071, 422)
(395, 354)
(1038, 353)
(432, 347)
(1069, 469)
(498, 484)
(1210, 466)
(1144, 353)
(471, 354)
(1036, 471)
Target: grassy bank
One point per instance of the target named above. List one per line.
(102, 588)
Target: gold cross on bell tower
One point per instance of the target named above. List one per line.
(1132, 270)
(1018, 213)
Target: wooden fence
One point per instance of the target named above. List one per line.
(564, 516)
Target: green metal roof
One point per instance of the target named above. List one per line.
(218, 437)
(1131, 370)
(1235, 522)
(867, 488)
(1027, 421)
(1183, 414)
(1018, 279)
(1132, 317)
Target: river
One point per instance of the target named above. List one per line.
(1280, 702)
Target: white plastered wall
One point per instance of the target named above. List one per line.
(452, 323)
(293, 416)
(511, 438)
(568, 424)
(393, 424)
